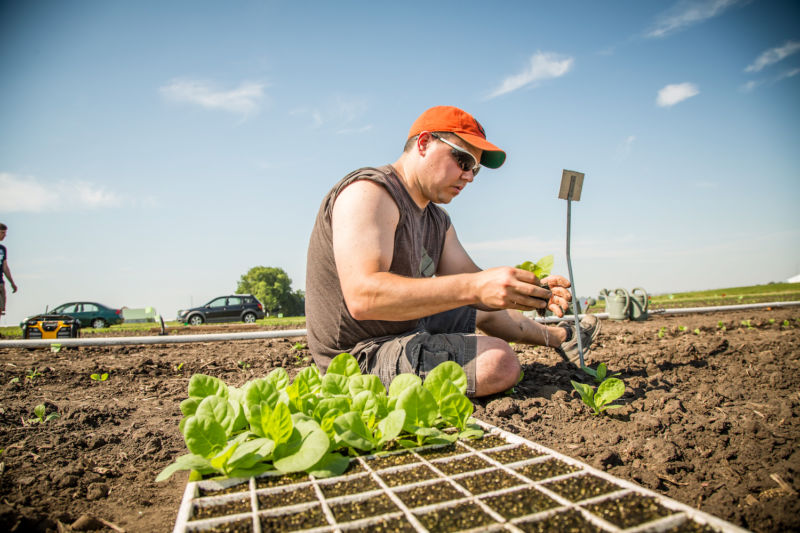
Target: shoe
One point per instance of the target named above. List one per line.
(590, 327)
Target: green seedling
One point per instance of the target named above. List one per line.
(661, 332)
(41, 416)
(55, 348)
(541, 268)
(683, 328)
(608, 391)
(721, 326)
(747, 324)
(600, 374)
(99, 377)
(696, 331)
(314, 422)
(13, 380)
(243, 365)
(33, 374)
(178, 367)
(786, 323)
(299, 346)
(771, 320)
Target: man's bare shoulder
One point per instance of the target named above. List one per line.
(366, 194)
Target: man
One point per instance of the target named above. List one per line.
(388, 280)
(4, 270)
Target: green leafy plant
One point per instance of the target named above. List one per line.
(608, 391)
(747, 324)
(99, 377)
(33, 374)
(177, 368)
(721, 326)
(314, 422)
(243, 365)
(13, 380)
(661, 332)
(541, 268)
(601, 374)
(682, 328)
(299, 346)
(55, 348)
(786, 323)
(41, 415)
(696, 331)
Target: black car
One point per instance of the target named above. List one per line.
(232, 308)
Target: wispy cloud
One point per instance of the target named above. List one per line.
(676, 93)
(243, 100)
(542, 66)
(27, 194)
(625, 148)
(753, 84)
(687, 13)
(342, 113)
(773, 55)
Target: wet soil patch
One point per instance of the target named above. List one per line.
(462, 516)
(580, 488)
(630, 510)
(305, 519)
(429, 494)
(349, 486)
(228, 508)
(520, 502)
(355, 510)
(298, 495)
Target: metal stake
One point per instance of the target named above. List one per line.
(571, 184)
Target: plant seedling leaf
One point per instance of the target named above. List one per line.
(419, 405)
(201, 386)
(260, 390)
(279, 378)
(189, 461)
(391, 426)
(218, 409)
(436, 380)
(456, 409)
(608, 391)
(331, 464)
(204, 436)
(334, 385)
(371, 383)
(311, 447)
(353, 432)
(344, 364)
(402, 382)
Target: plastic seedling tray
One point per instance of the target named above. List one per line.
(500, 482)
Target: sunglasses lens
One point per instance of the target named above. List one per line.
(465, 161)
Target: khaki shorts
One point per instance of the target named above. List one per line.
(448, 336)
(2, 298)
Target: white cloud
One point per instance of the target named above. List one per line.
(687, 13)
(788, 74)
(27, 194)
(773, 55)
(625, 148)
(675, 93)
(542, 66)
(243, 100)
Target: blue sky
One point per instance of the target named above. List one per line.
(152, 152)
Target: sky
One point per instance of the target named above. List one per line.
(152, 152)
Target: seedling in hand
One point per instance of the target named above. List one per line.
(541, 268)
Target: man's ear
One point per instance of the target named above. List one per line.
(423, 140)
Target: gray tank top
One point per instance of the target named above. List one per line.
(418, 243)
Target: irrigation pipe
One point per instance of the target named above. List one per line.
(683, 310)
(160, 339)
(282, 333)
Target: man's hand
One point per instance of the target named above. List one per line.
(514, 288)
(559, 301)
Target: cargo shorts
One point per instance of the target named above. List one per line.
(2, 298)
(447, 336)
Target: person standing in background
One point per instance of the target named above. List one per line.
(4, 271)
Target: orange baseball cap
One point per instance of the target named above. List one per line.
(454, 120)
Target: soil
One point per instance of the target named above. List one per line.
(711, 418)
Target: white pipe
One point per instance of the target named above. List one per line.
(161, 339)
(682, 310)
(249, 335)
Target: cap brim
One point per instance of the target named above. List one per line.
(492, 157)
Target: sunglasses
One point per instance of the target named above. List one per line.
(465, 160)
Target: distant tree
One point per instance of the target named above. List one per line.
(273, 287)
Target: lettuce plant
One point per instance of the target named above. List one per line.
(608, 391)
(541, 268)
(314, 422)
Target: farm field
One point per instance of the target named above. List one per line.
(709, 418)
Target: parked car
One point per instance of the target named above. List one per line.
(231, 308)
(89, 314)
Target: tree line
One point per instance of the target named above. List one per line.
(273, 287)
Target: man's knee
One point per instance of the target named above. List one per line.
(498, 368)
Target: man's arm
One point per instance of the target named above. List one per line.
(7, 273)
(364, 221)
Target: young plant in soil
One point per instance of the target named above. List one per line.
(314, 422)
(608, 391)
